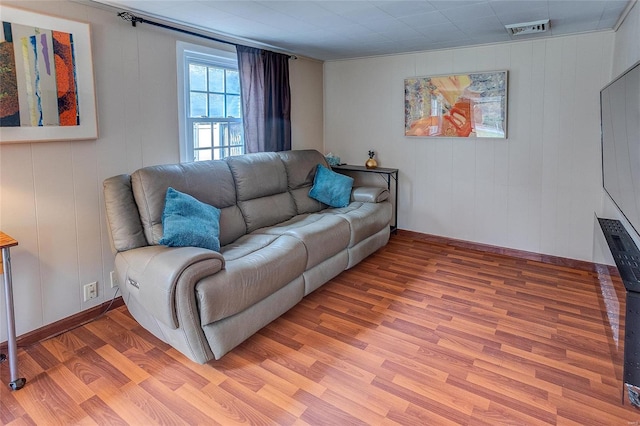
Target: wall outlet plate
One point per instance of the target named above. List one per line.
(114, 279)
(90, 291)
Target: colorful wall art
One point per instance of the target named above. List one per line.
(457, 105)
(46, 78)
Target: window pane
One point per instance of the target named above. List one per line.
(201, 135)
(235, 135)
(214, 109)
(216, 106)
(216, 79)
(236, 150)
(233, 106)
(218, 134)
(198, 105)
(203, 155)
(197, 77)
(233, 82)
(218, 154)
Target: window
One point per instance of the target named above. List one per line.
(210, 112)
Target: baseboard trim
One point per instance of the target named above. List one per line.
(63, 325)
(520, 254)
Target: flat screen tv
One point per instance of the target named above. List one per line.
(620, 120)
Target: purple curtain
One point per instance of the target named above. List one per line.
(266, 99)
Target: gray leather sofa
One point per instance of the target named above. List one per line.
(277, 245)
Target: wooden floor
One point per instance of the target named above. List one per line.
(421, 333)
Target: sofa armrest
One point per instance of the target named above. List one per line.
(163, 279)
(369, 194)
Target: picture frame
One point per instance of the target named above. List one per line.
(46, 79)
(464, 105)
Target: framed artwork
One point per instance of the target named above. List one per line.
(46, 79)
(472, 105)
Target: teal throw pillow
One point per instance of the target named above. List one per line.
(331, 188)
(187, 222)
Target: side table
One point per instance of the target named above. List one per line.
(6, 242)
(387, 174)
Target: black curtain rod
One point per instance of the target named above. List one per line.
(135, 19)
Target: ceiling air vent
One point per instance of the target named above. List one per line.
(528, 27)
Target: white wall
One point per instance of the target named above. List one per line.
(51, 193)
(536, 191)
(627, 42)
(306, 104)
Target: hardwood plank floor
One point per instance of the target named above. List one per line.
(421, 333)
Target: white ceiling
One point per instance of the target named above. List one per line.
(329, 30)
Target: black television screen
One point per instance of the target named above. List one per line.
(620, 121)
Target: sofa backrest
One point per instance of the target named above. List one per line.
(262, 189)
(123, 218)
(301, 170)
(252, 191)
(208, 181)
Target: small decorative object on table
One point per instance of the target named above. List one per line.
(371, 162)
(332, 160)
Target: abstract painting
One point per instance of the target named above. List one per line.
(46, 78)
(472, 105)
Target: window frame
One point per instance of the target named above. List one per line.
(186, 52)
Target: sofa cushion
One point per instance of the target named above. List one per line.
(267, 211)
(261, 182)
(255, 267)
(365, 219)
(304, 203)
(258, 175)
(331, 188)
(208, 181)
(301, 169)
(323, 235)
(187, 222)
(301, 166)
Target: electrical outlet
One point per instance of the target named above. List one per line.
(114, 279)
(90, 291)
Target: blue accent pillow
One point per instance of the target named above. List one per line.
(187, 222)
(331, 188)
